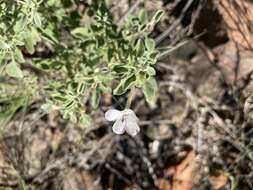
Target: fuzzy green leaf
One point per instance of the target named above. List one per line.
(95, 98)
(151, 71)
(80, 31)
(29, 43)
(139, 47)
(85, 120)
(49, 36)
(158, 15)
(37, 19)
(124, 85)
(150, 44)
(149, 90)
(19, 56)
(143, 16)
(13, 70)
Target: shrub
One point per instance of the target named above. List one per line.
(49, 54)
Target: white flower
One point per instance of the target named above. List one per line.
(125, 120)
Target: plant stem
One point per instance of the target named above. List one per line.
(130, 98)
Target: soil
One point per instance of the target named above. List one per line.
(197, 136)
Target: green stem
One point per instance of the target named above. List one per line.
(130, 98)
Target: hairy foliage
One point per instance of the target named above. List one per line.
(49, 52)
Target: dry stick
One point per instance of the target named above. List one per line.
(195, 16)
(230, 138)
(221, 125)
(173, 48)
(165, 121)
(145, 159)
(200, 128)
(114, 7)
(165, 34)
(99, 144)
(118, 174)
(131, 10)
(238, 159)
(173, 5)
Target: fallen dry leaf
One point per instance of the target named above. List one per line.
(183, 175)
(164, 183)
(8, 175)
(186, 172)
(218, 181)
(235, 57)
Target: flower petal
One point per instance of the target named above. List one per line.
(118, 127)
(113, 115)
(128, 111)
(130, 115)
(132, 128)
(131, 118)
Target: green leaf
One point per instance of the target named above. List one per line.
(158, 15)
(18, 55)
(95, 98)
(72, 117)
(150, 44)
(20, 24)
(19, 41)
(49, 35)
(31, 37)
(120, 69)
(37, 19)
(104, 88)
(13, 70)
(35, 35)
(29, 43)
(141, 78)
(124, 85)
(2, 58)
(109, 54)
(154, 55)
(59, 97)
(47, 107)
(151, 71)
(80, 31)
(149, 89)
(143, 16)
(70, 104)
(81, 88)
(139, 47)
(85, 120)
